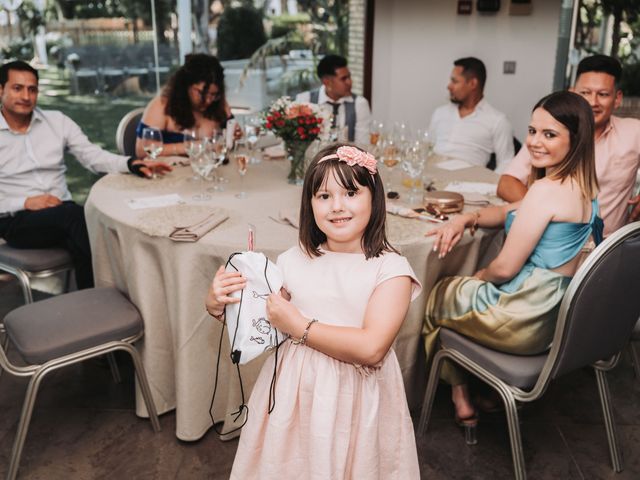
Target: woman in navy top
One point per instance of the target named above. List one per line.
(193, 98)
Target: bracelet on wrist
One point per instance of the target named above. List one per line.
(219, 316)
(305, 334)
(474, 226)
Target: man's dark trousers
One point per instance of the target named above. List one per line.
(62, 226)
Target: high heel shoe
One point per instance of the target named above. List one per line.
(470, 427)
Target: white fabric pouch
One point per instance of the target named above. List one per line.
(250, 333)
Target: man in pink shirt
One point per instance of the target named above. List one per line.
(617, 146)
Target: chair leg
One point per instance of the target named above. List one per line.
(113, 366)
(25, 284)
(23, 426)
(635, 359)
(144, 386)
(5, 344)
(610, 425)
(429, 395)
(520, 472)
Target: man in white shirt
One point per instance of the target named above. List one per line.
(469, 128)
(348, 111)
(36, 210)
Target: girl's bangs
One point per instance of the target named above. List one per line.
(349, 178)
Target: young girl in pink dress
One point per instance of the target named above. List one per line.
(340, 410)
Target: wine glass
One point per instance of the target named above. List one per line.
(252, 132)
(413, 165)
(242, 160)
(152, 144)
(194, 146)
(375, 131)
(424, 141)
(213, 160)
(391, 154)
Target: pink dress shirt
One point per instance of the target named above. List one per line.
(617, 161)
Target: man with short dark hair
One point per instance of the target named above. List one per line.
(36, 210)
(469, 128)
(348, 111)
(617, 145)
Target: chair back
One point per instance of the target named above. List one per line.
(126, 132)
(601, 305)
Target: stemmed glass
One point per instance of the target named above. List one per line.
(242, 160)
(194, 146)
(391, 154)
(413, 165)
(152, 144)
(375, 132)
(424, 141)
(252, 132)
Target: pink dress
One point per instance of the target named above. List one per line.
(332, 420)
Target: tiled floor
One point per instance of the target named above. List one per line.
(84, 427)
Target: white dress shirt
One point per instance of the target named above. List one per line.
(363, 112)
(475, 137)
(32, 163)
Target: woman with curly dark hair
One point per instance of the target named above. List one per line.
(193, 98)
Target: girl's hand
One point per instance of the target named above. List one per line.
(284, 316)
(447, 235)
(224, 283)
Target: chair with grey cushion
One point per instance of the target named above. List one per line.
(126, 132)
(28, 263)
(595, 321)
(68, 329)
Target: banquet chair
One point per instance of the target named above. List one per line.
(594, 324)
(126, 132)
(28, 263)
(67, 329)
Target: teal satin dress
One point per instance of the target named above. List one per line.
(518, 316)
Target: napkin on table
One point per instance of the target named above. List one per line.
(192, 233)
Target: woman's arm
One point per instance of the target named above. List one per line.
(534, 214)
(450, 233)
(368, 345)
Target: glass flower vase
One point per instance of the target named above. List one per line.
(296, 150)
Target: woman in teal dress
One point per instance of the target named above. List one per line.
(511, 305)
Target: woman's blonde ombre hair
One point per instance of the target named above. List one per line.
(573, 111)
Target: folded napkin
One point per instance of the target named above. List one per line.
(276, 151)
(192, 233)
(290, 216)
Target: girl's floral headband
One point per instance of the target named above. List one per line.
(353, 156)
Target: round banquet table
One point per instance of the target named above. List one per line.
(168, 280)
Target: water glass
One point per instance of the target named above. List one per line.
(152, 144)
(413, 165)
(241, 158)
(391, 155)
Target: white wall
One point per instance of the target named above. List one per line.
(416, 42)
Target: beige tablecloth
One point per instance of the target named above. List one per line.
(168, 280)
